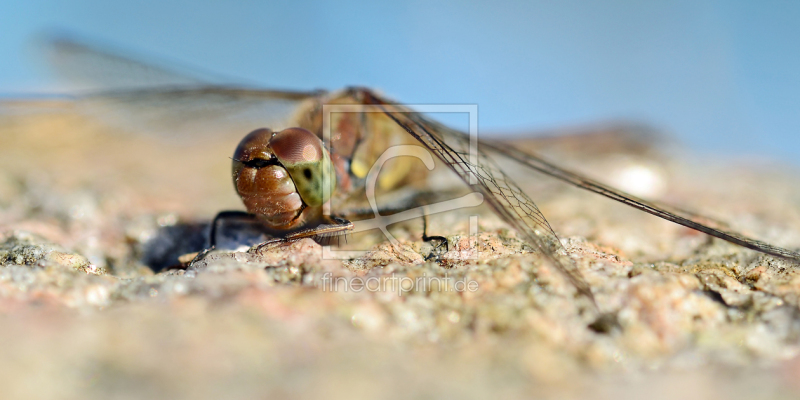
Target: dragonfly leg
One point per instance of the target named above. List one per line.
(407, 202)
(223, 215)
(212, 234)
(333, 226)
(199, 257)
(269, 243)
(436, 252)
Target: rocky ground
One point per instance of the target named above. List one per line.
(88, 214)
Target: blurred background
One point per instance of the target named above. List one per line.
(721, 76)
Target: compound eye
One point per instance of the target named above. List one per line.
(307, 162)
(254, 146)
(296, 146)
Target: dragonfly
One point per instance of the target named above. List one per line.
(298, 159)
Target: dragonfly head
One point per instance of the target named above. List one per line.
(280, 174)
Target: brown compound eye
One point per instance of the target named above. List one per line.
(252, 149)
(264, 185)
(308, 163)
(278, 174)
(296, 146)
(254, 146)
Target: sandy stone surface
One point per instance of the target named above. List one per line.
(91, 217)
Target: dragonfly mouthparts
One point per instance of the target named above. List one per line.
(261, 163)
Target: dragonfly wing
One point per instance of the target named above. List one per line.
(499, 190)
(678, 216)
(86, 66)
(143, 96)
(195, 112)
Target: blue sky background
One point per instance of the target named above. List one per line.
(721, 76)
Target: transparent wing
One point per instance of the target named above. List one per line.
(519, 211)
(145, 97)
(92, 67)
(195, 112)
(668, 213)
(500, 192)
